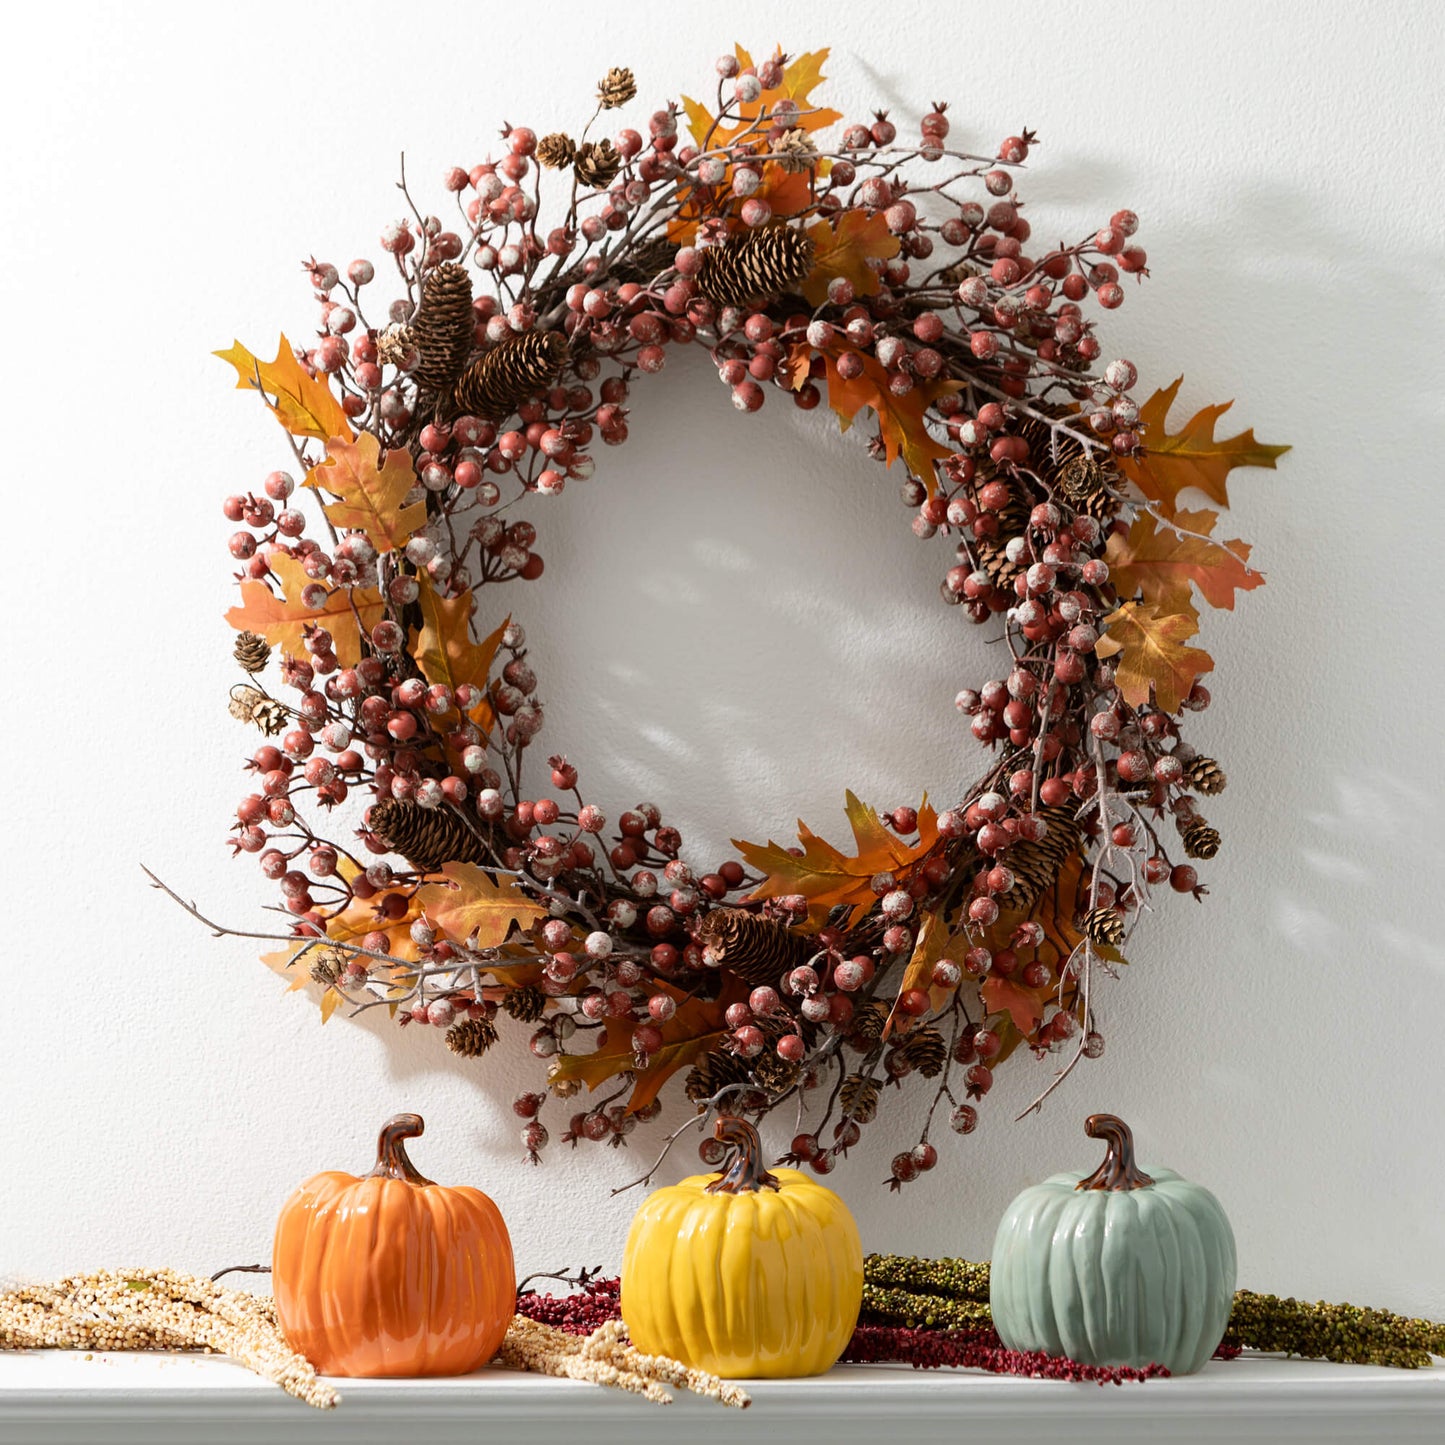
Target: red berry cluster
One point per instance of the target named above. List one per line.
(974, 348)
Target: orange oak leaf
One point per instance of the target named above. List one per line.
(474, 909)
(305, 405)
(283, 620)
(935, 940)
(1193, 456)
(369, 496)
(1024, 1005)
(901, 419)
(1160, 564)
(1152, 655)
(846, 250)
(827, 877)
(696, 1027)
(445, 651)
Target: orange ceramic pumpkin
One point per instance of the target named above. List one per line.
(391, 1274)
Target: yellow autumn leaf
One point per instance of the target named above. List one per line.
(844, 251)
(474, 909)
(369, 491)
(1152, 655)
(305, 405)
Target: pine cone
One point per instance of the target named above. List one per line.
(597, 164)
(757, 949)
(1036, 865)
(441, 329)
(714, 1071)
(616, 88)
(775, 1073)
(512, 372)
(251, 705)
(867, 1023)
(646, 263)
(471, 1038)
(1200, 840)
(1104, 926)
(1205, 776)
(755, 266)
(858, 1098)
(326, 968)
(924, 1049)
(556, 151)
(992, 552)
(252, 652)
(525, 1003)
(794, 150)
(425, 837)
(1087, 485)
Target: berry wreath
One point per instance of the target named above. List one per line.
(897, 278)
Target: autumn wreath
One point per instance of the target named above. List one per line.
(901, 280)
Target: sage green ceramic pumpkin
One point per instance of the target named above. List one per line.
(1123, 1267)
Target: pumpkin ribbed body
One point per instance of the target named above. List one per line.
(759, 1284)
(1129, 1276)
(387, 1276)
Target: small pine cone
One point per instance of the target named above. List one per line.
(556, 151)
(868, 1021)
(251, 705)
(1036, 865)
(441, 330)
(756, 266)
(775, 1073)
(993, 558)
(425, 837)
(1087, 485)
(1104, 926)
(597, 164)
(1200, 840)
(512, 372)
(1205, 776)
(326, 968)
(858, 1098)
(616, 88)
(471, 1038)
(925, 1049)
(714, 1071)
(394, 345)
(794, 150)
(526, 1003)
(252, 652)
(757, 949)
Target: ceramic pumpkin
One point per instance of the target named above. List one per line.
(390, 1274)
(749, 1274)
(1121, 1267)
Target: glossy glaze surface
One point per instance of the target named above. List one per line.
(761, 1283)
(1115, 1277)
(392, 1275)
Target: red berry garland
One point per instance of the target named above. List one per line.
(396, 799)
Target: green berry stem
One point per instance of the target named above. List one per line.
(921, 1311)
(953, 1278)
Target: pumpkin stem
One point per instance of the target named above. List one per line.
(1118, 1171)
(746, 1170)
(391, 1160)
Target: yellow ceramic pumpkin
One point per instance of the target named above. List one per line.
(748, 1274)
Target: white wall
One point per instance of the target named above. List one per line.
(167, 167)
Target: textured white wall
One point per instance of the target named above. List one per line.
(736, 621)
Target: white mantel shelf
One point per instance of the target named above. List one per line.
(60, 1397)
